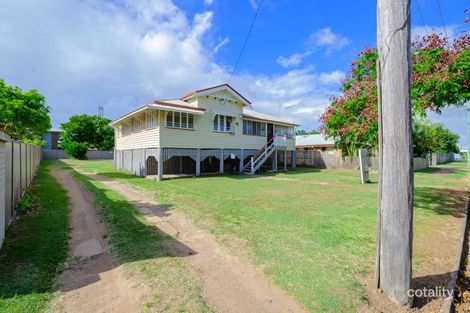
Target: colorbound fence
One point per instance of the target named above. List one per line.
(18, 165)
(91, 155)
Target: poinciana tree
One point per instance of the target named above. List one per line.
(440, 77)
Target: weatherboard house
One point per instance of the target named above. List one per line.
(207, 130)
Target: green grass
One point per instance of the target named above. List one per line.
(35, 248)
(312, 231)
(140, 247)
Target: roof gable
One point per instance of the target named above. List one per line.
(217, 89)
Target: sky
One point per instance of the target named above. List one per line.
(121, 54)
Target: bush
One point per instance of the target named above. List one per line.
(76, 150)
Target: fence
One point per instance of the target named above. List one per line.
(320, 159)
(91, 155)
(440, 158)
(18, 165)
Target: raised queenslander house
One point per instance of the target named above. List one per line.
(208, 130)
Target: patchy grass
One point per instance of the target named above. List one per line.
(35, 248)
(137, 244)
(312, 231)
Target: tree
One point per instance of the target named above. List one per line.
(24, 114)
(300, 132)
(440, 77)
(92, 130)
(428, 138)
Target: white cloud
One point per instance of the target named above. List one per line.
(422, 31)
(293, 60)
(208, 2)
(334, 77)
(222, 43)
(83, 54)
(327, 39)
(254, 4)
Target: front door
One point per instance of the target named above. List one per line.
(270, 132)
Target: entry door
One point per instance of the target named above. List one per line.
(270, 132)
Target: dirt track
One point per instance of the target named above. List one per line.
(229, 284)
(92, 282)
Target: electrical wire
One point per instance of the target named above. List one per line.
(442, 18)
(246, 40)
(422, 16)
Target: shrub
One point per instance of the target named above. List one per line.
(76, 150)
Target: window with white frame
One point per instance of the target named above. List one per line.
(151, 119)
(180, 120)
(222, 123)
(280, 130)
(254, 128)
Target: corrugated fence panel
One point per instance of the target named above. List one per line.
(18, 165)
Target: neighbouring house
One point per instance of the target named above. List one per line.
(52, 139)
(315, 142)
(207, 130)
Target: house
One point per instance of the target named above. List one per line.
(52, 139)
(314, 142)
(207, 130)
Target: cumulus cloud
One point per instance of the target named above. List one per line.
(293, 60)
(334, 77)
(326, 38)
(222, 43)
(87, 54)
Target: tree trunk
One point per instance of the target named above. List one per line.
(395, 216)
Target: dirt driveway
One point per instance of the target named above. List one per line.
(94, 283)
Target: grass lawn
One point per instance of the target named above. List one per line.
(35, 248)
(312, 231)
(138, 246)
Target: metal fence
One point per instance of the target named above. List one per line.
(18, 165)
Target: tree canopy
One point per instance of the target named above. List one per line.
(306, 132)
(92, 130)
(24, 115)
(428, 137)
(440, 77)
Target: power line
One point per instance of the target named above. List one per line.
(442, 18)
(246, 40)
(422, 17)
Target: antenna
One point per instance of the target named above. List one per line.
(100, 111)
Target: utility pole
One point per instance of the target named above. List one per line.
(395, 197)
(100, 111)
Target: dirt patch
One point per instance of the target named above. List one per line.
(92, 280)
(436, 262)
(229, 284)
(443, 170)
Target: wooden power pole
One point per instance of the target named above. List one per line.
(395, 199)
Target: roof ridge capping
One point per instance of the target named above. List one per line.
(226, 85)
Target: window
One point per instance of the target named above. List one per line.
(151, 119)
(126, 130)
(180, 120)
(222, 123)
(254, 128)
(136, 125)
(284, 131)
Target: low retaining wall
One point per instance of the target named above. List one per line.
(319, 159)
(91, 155)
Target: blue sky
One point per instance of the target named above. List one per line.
(121, 54)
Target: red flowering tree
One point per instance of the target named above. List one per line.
(440, 78)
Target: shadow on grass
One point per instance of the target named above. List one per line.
(429, 282)
(29, 261)
(443, 201)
